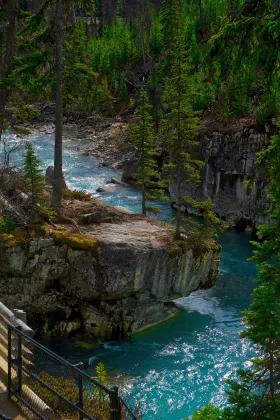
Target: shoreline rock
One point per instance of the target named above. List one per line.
(115, 279)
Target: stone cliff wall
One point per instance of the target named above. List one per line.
(117, 283)
(230, 176)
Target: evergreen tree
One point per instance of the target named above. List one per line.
(180, 122)
(209, 412)
(34, 175)
(5, 66)
(257, 394)
(148, 174)
(58, 174)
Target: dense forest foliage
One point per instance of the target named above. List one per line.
(171, 63)
(113, 48)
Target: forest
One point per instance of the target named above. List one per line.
(167, 69)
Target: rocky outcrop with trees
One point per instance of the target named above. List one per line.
(117, 276)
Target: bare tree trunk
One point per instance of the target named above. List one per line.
(73, 13)
(58, 175)
(178, 214)
(103, 18)
(4, 72)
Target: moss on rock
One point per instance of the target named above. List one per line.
(75, 241)
(9, 239)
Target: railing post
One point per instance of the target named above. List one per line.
(19, 363)
(9, 362)
(81, 390)
(115, 404)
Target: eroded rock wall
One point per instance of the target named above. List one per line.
(230, 176)
(110, 291)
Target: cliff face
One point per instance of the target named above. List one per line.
(116, 280)
(230, 176)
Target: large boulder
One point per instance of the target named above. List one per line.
(111, 281)
(49, 176)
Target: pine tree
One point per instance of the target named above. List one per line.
(58, 174)
(148, 174)
(34, 175)
(5, 66)
(257, 394)
(180, 122)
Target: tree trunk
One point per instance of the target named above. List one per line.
(58, 175)
(271, 369)
(4, 72)
(144, 209)
(178, 214)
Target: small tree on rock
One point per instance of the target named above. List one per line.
(180, 122)
(148, 175)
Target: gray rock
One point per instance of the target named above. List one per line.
(122, 283)
(50, 177)
(229, 167)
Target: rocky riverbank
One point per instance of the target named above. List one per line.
(230, 176)
(117, 276)
(108, 139)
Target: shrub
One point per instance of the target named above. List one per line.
(77, 195)
(6, 224)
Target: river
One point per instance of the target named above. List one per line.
(173, 368)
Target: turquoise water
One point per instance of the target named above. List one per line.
(180, 365)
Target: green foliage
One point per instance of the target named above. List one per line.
(6, 224)
(246, 47)
(203, 230)
(77, 195)
(180, 122)
(209, 412)
(25, 113)
(34, 175)
(257, 392)
(102, 378)
(148, 175)
(70, 390)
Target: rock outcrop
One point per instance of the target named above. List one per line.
(230, 177)
(116, 278)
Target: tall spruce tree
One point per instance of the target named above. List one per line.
(257, 393)
(148, 175)
(180, 122)
(58, 174)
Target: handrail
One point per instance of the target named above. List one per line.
(128, 409)
(63, 361)
(14, 320)
(117, 408)
(3, 417)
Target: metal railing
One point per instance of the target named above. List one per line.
(3, 417)
(57, 386)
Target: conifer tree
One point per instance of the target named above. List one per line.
(257, 394)
(34, 175)
(58, 174)
(143, 137)
(180, 122)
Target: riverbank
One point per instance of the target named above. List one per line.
(166, 368)
(108, 139)
(230, 176)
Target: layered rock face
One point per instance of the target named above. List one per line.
(230, 176)
(111, 283)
